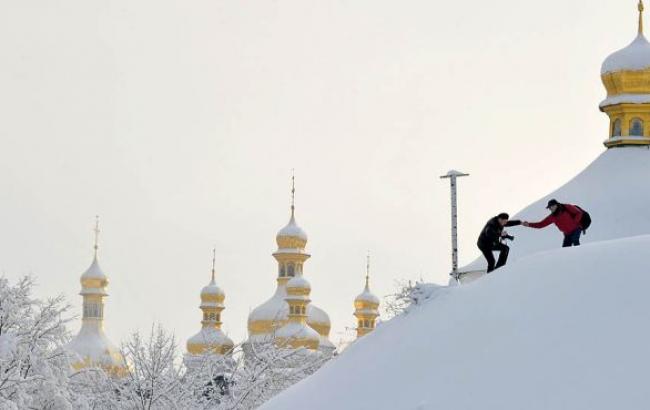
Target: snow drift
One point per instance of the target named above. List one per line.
(555, 329)
(563, 329)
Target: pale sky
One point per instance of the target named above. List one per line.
(179, 122)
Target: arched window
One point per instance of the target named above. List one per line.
(360, 323)
(291, 270)
(366, 323)
(290, 310)
(282, 271)
(616, 128)
(636, 127)
(218, 317)
(303, 310)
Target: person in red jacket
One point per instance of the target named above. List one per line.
(567, 219)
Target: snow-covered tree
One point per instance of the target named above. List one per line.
(407, 295)
(266, 370)
(34, 367)
(154, 376)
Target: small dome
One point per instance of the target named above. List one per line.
(291, 236)
(298, 282)
(94, 271)
(209, 339)
(212, 289)
(634, 57)
(368, 297)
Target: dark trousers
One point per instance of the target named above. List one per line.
(572, 239)
(489, 256)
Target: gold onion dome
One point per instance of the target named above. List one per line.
(91, 347)
(366, 307)
(265, 320)
(296, 332)
(291, 236)
(626, 77)
(366, 299)
(94, 280)
(211, 339)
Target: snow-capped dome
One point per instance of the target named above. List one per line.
(92, 348)
(367, 296)
(297, 331)
(291, 236)
(634, 57)
(298, 282)
(94, 271)
(318, 316)
(274, 309)
(212, 289)
(209, 339)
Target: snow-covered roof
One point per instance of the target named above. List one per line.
(561, 329)
(636, 56)
(612, 189)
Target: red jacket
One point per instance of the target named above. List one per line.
(567, 220)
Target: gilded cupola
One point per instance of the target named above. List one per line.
(211, 339)
(626, 76)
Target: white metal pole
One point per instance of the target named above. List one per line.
(452, 176)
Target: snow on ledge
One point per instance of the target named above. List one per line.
(626, 99)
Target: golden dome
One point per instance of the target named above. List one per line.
(291, 236)
(626, 76)
(211, 339)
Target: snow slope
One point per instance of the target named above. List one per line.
(559, 329)
(613, 189)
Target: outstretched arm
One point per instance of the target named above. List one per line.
(541, 224)
(513, 222)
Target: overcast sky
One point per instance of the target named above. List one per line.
(179, 123)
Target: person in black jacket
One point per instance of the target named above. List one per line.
(490, 240)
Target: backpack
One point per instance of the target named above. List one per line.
(585, 220)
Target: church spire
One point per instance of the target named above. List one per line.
(366, 306)
(641, 8)
(368, 271)
(96, 230)
(293, 192)
(214, 258)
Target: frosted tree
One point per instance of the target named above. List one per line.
(34, 367)
(154, 377)
(266, 370)
(409, 294)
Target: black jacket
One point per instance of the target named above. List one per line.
(491, 233)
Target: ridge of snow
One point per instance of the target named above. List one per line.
(560, 329)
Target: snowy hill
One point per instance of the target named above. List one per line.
(613, 189)
(555, 329)
(562, 329)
